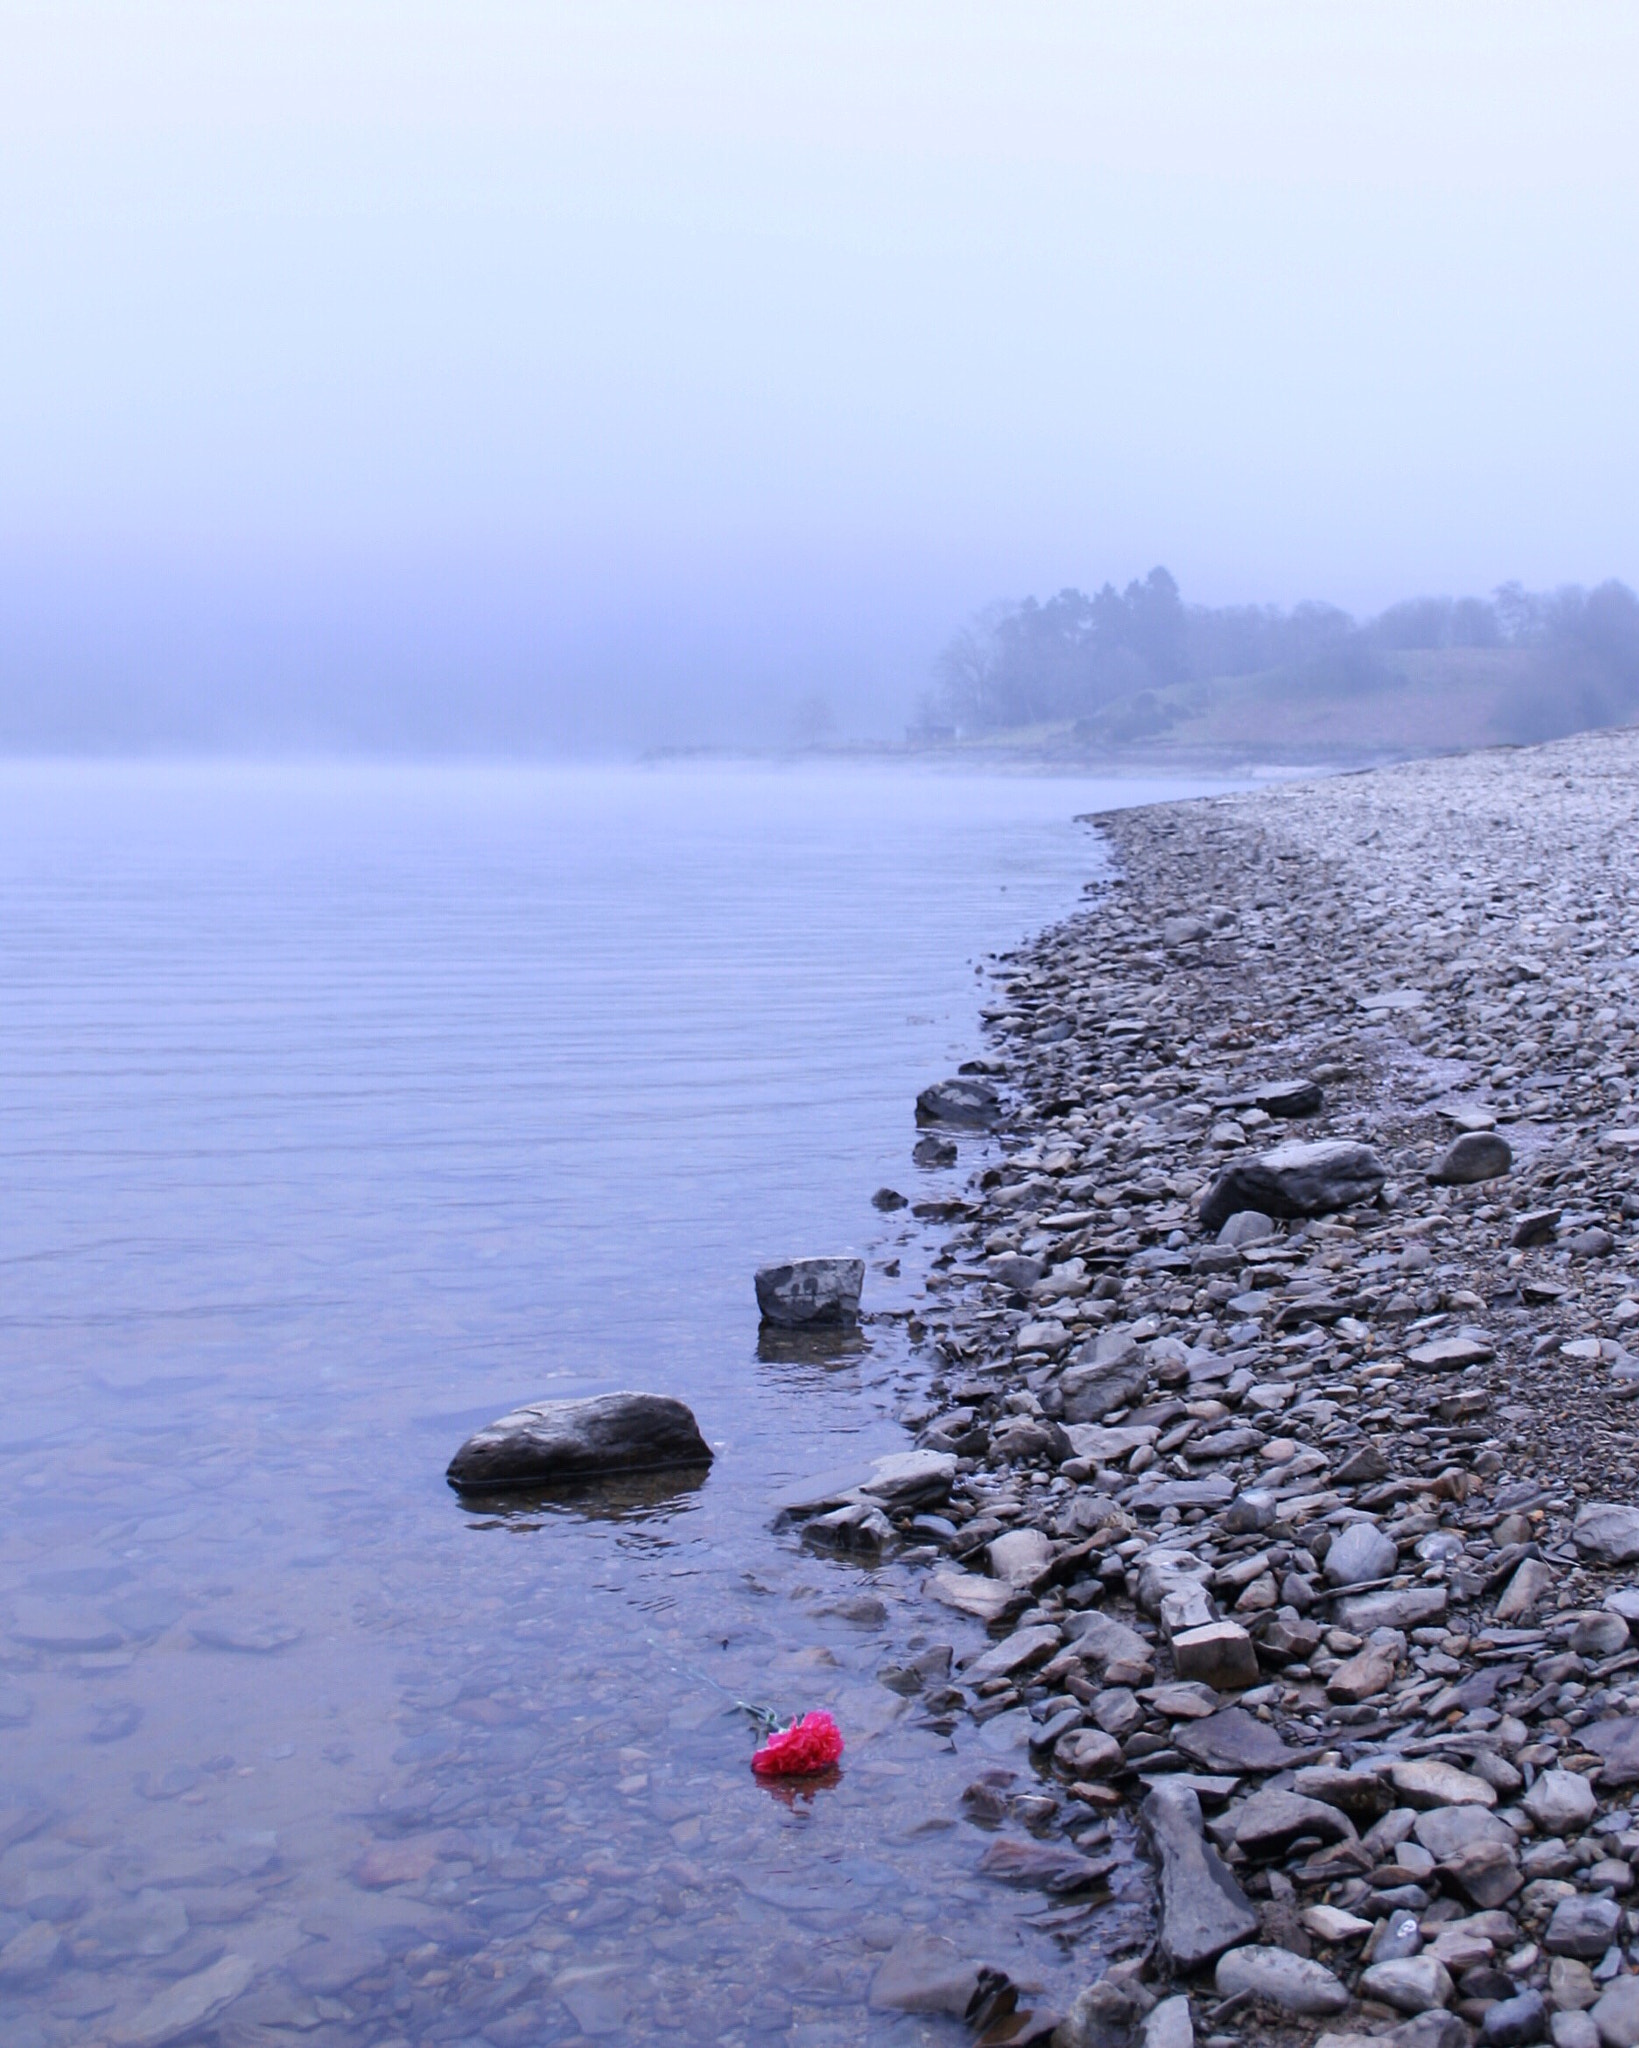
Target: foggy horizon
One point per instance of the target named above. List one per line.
(587, 378)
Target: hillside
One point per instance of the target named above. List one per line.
(1421, 701)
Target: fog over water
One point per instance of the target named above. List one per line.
(590, 375)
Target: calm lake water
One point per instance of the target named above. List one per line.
(342, 1109)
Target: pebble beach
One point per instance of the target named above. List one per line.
(1284, 1434)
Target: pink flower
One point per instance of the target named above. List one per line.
(812, 1744)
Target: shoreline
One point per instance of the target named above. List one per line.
(1414, 1750)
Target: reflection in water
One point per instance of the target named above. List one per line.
(341, 1111)
(614, 1497)
(811, 1347)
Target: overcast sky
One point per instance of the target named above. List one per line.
(666, 360)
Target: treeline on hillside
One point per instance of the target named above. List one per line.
(1070, 656)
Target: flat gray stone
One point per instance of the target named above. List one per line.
(1304, 1177)
(1607, 1531)
(30, 1955)
(1219, 1653)
(1203, 1910)
(1274, 1976)
(550, 1441)
(1451, 1354)
(1270, 1822)
(1444, 1830)
(985, 1599)
(1215, 1491)
(1246, 1226)
(63, 1625)
(1365, 1796)
(1023, 1647)
(1021, 1556)
(901, 1479)
(1487, 1873)
(1410, 1607)
(1426, 1781)
(1235, 1741)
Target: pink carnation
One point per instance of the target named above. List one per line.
(812, 1744)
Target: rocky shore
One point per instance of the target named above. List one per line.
(1283, 1438)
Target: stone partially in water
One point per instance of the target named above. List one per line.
(962, 1100)
(924, 1972)
(804, 1293)
(550, 1441)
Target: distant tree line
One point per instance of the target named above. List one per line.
(1071, 656)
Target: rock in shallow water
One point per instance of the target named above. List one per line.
(962, 1100)
(549, 1441)
(925, 1972)
(805, 1292)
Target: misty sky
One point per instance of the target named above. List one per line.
(659, 363)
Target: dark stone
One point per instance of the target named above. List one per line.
(1203, 1910)
(1475, 1156)
(887, 1198)
(963, 1100)
(1289, 1098)
(1300, 1178)
(804, 1294)
(550, 1441)
(1234, 1740)
(1515, 2022)
(932, 1151)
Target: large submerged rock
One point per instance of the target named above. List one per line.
(548, 1441)
(807, 1293)
(1301, 1178)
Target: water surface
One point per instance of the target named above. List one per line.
(341, 1110)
